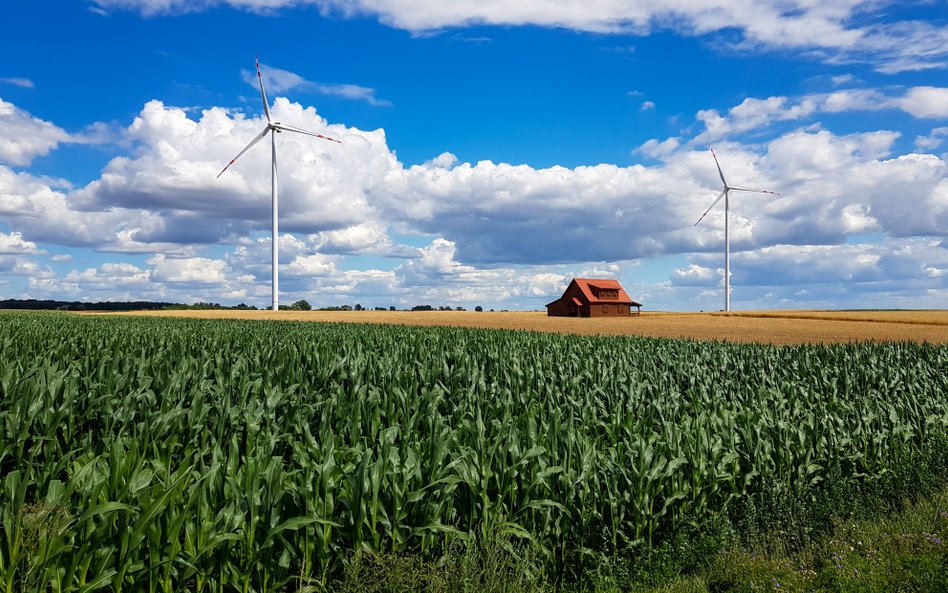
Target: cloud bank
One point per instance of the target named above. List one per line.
(449, 231)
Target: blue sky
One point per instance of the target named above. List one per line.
(491, 151)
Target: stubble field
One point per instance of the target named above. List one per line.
(767, 327)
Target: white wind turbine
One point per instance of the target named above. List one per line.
(727, 241)
(275, 127)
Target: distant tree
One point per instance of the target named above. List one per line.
(422, 308)
(459, 309)
(302, 305)
(358, 307)
(479, 309)
(392, 308)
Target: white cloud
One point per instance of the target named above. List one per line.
(347, 199)
(25, 83)
(14, 243)
(276, 80)
(926, 101)
(934, 139)
(647, 105)
(825, 29)
(497, 232)
(191, 270)
(890, 273)
(24, 137)
(754, 114)
(696, 275)
(170, 194)
(17, 265)
(312, 265)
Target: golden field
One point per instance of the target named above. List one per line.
(776, 327)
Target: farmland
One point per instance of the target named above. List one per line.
(203, 455)
(769, 327)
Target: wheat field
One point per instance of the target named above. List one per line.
(774, 327)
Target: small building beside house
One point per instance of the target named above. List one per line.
(590, 297)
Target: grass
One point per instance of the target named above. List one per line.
(900, 552)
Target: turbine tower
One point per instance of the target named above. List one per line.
(727, 240)
(275, 127)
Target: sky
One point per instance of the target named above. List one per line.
(490, 151)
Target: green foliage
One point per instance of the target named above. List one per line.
(172, 454)
(901, 552)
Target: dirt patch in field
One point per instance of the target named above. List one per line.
(776, 327)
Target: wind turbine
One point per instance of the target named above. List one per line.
(727, 241)
(275, 127)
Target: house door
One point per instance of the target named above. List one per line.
(571, 309)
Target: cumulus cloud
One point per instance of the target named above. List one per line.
(754, 113)
(933, 140)
(494, 231)
(323, 186)
(890, 262)
(926, 101)
(23, 266)
(24, 137)
(347, 199)
(191, 270)
(14, 243)
(890, 273)
(696, 275)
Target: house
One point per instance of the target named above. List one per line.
(590, 297)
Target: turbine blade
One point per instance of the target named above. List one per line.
(290, 128)
(720, 172)
(713, 204)
(263, 94)
(757, 191)
(246, 148)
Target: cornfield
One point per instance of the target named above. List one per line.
(187, 455)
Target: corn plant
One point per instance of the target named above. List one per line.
(142, 454)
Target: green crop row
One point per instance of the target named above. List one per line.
(180, 455)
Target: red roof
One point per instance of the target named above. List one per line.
(590, 287)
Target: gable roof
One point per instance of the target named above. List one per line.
(588, 287)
